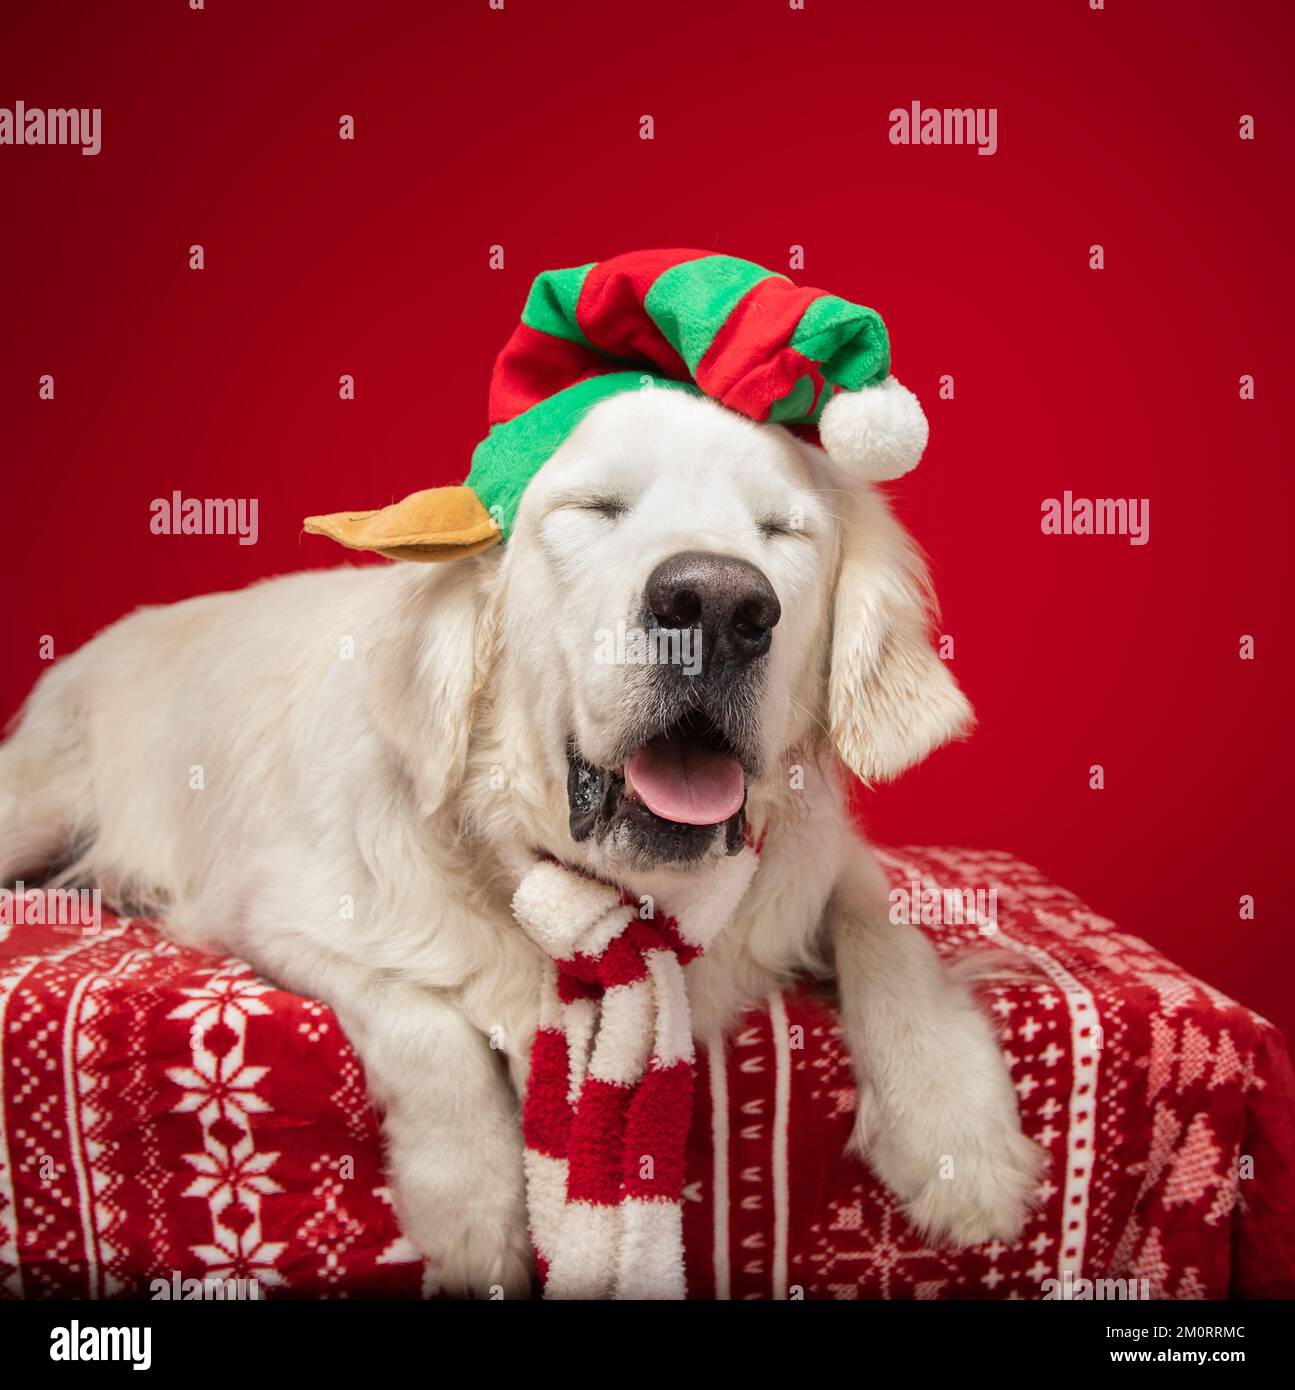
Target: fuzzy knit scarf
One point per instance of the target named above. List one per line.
(609, 1098)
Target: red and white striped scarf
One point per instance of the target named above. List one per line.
(609, 1098)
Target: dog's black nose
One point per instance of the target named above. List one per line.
(728, 600)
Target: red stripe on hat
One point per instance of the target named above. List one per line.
(749, 364)
(546, 1115)
(610, 310)
(533, 366)
(596, 1148)
(656, 1129)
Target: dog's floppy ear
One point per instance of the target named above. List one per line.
(891, 700)
(427, 671)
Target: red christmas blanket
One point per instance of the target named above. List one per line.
(168, 1119)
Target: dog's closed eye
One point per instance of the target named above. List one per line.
(772, 526)
(610, 507)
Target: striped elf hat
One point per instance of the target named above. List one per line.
(685, 320)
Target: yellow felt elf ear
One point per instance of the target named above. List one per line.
(440, 523)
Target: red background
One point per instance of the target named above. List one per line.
(520, 127)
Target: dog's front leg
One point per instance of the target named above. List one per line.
(937, 1111)
(453, 1136)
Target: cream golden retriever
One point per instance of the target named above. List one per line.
(340, 776)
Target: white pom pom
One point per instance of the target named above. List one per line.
(878, 433)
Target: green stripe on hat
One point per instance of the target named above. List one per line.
(826, 392)
(797, 403)
(691, 302)
(849, 342)
(512, 453)
(551, 304)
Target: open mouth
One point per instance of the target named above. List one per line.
(668, 799)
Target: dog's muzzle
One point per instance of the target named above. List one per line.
(680, 780)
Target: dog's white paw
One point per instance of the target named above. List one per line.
(967, 1195)
(471, 1227)
(484, 1258)
(950, 1148)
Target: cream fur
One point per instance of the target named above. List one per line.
(365, 819)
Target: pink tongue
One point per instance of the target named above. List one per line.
(686, 782)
